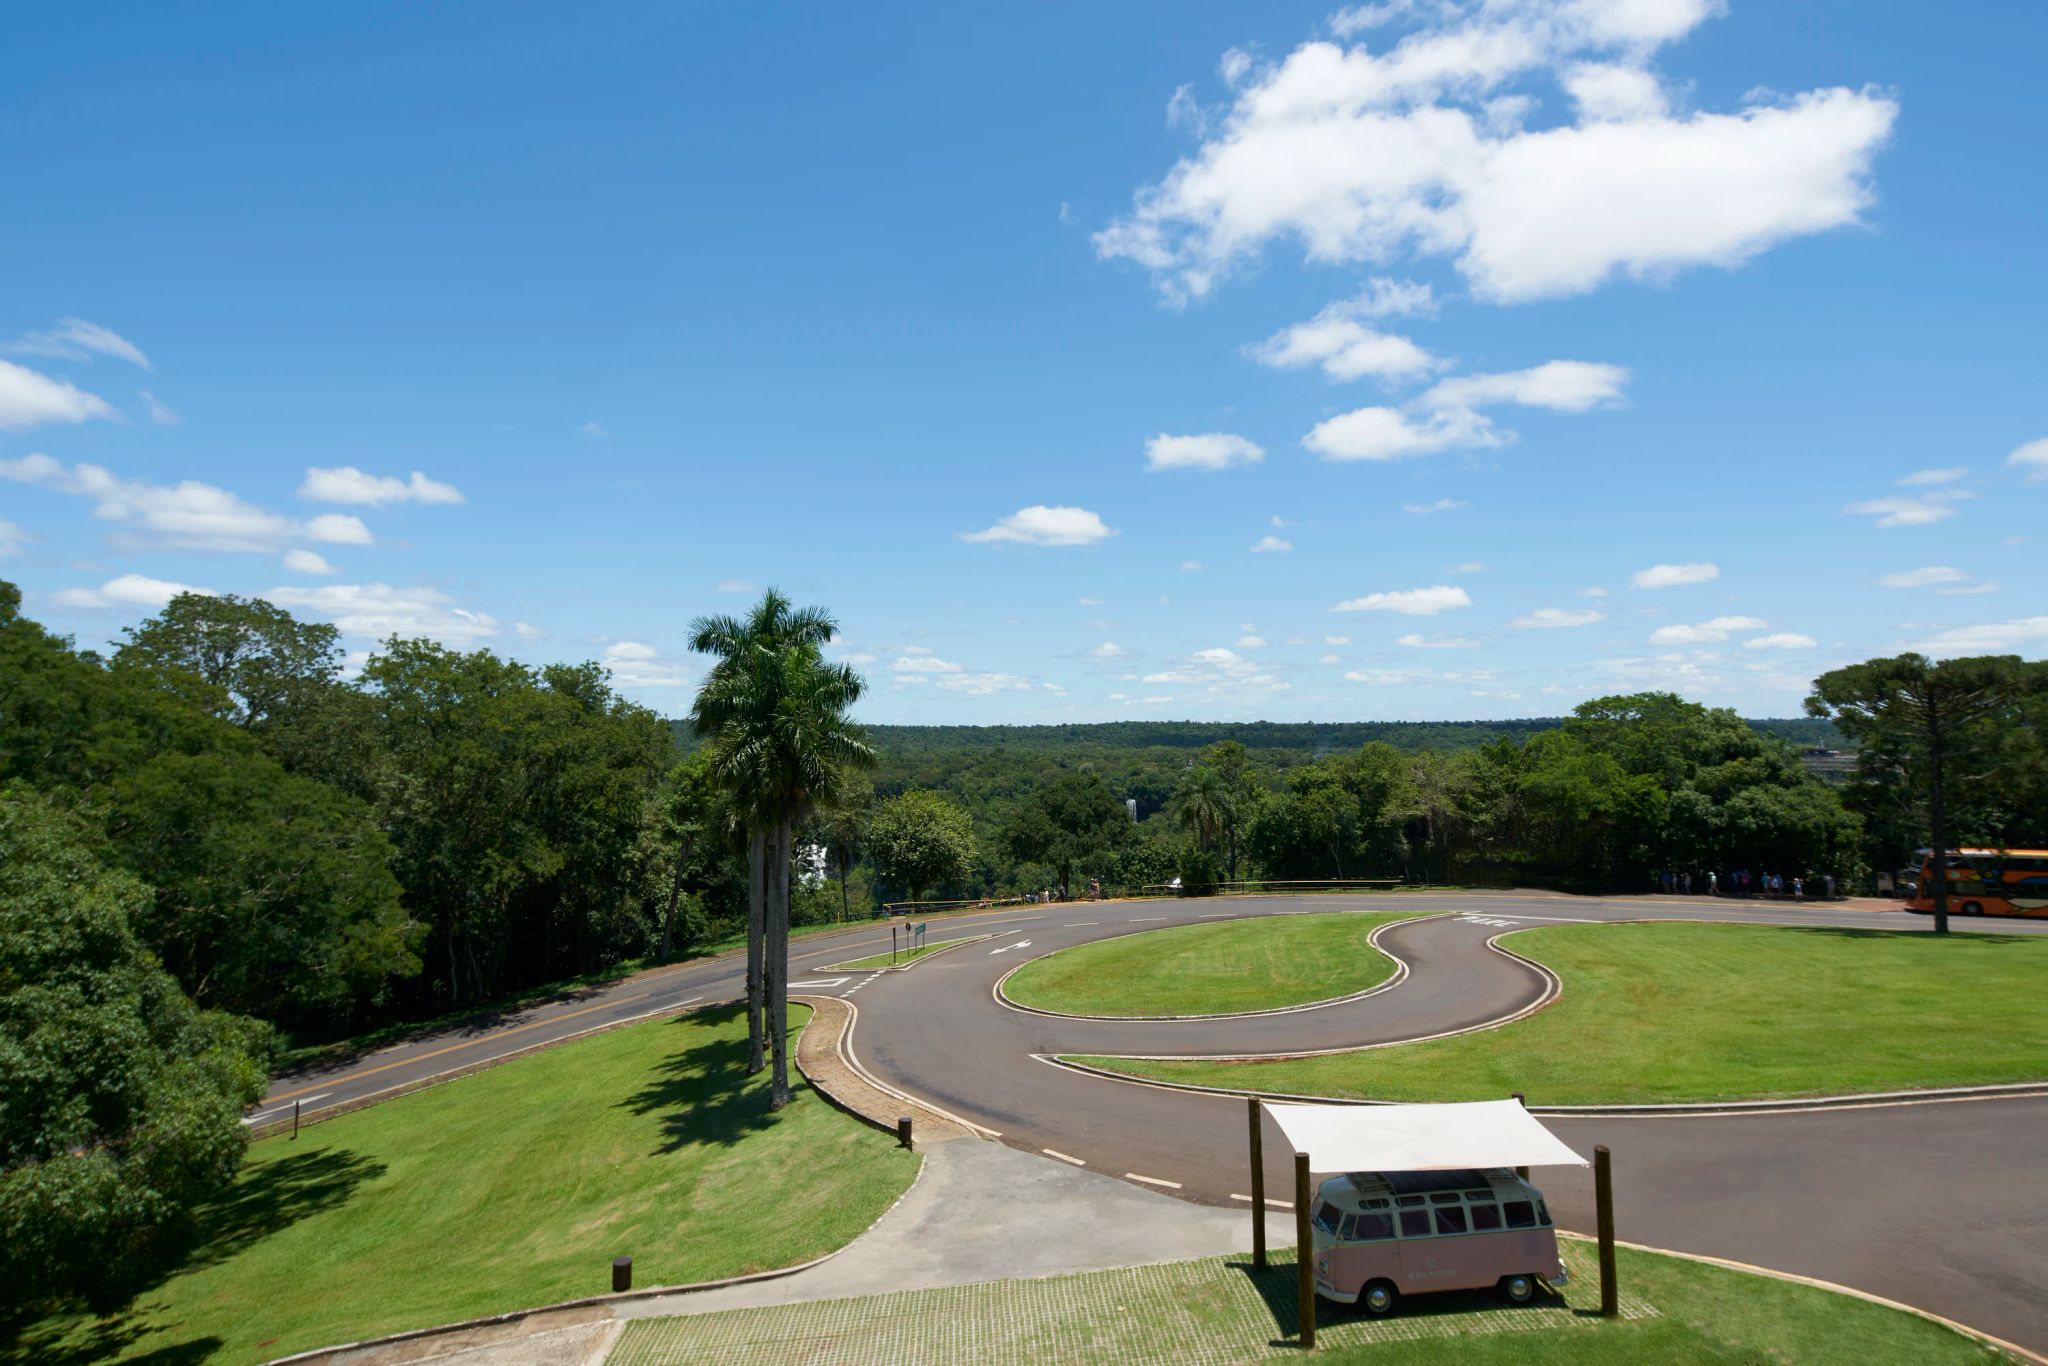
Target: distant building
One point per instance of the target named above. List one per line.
(1829, 765)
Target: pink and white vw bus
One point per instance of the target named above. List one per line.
(1382, 1235)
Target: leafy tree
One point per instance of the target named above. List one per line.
(920, 840)
(1076, 819)
(1934, 724)
(775, 714)
(1204, 803)
(120, 1103)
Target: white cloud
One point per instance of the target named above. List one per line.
(339, 528)
(1108, 649)
(1969, 590)
(629, 651)
(1676, 575)
(1469, 567)
(1923, 478)
(77, 339)
(917, 661)
(307, 562)
(1991, 637)
(1042, 525)
(189, 515)
(1781, 640)
(1420, 148)
(1447, 416)
(1422, 642)
(1250, 642)
(1209, 451)
(527, 631)
(1923, 578)
(1336, 640)
(347, 484)
(159, 413)
(981, 685)
(1188, 567)
(1089, 602)
(1381, 678)
(735, 586)
(1594, 592)
(1328, 659)
(1706, 632)
(592, 428)
(635, 664)
(1221, 673)
(2031, 458)
(129, 590)
(29, 398)
(1411, 602)
(1346, 348)
(1271, 545)
(1557, 618)
(1440, 505)
(377, 610)
(1919, 510)
(12, 538)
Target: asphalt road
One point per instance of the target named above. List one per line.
(1939, 1205)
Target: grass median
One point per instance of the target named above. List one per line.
(901, 958)
(507, 1189)
(1219, 967)
(1219, 1310)
(1660, 1013)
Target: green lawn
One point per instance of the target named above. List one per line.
(1214, 968)
(1689, 1012)
(1218, 1310)
(511, 1188)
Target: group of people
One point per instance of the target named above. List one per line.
(1050, 894)
(1741, 882)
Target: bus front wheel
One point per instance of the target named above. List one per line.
(1973, 908)
(1378, 1299)
(1518, 1289)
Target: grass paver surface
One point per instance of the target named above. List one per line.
(1657, 1013)
(511, 1188)
(1214, 968)
(903, 957)
(1217, 1311)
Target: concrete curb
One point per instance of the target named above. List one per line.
(1816, 1283)
(1400, 974)
(322, 1354)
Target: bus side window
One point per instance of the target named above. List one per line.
(1485, 1218)
(1450, 1219)
(1414, 1223)
(1521, 1214)
(1373, 1228)
(1542, 1214)
(1349, 1227)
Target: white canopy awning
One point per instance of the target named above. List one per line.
(1411, 1138)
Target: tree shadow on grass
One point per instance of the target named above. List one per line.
(1923, 932)
(1276, 1285)
(265, 1199)
(703, 1091)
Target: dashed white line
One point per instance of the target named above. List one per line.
(1277, 1204)
(1079, 923)
(1136, 918)
(1152, 1181)
(276, 1110)
(1218, 915)
(1049, 1152)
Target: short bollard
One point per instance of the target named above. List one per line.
(903, 1131)
(622, 1273)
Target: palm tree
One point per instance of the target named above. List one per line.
(774, 713)
(1203, 803)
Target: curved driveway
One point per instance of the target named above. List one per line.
(1939, 1205)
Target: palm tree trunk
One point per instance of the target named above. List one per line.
(778, 965)
(675, 898)
(757, 872)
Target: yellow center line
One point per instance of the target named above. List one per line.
(492, 1037)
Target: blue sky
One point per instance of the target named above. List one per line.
(1544, 346)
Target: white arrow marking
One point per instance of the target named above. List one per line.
(1020, 944)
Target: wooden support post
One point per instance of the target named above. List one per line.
(1603, 1203)
(1304, 1255)
(1258, 1186)
(1522, 1101)
(892, 943)
(295, 1117)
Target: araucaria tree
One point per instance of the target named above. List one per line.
(1932, 727)
(773, 713)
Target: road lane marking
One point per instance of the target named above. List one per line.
(821, 982)
(1020, 944)
(1277, 1204)
(466, 1043)
(1218, 915)
(1152, 1181)
(1079, 923)
(1138, 918)
(260, 1115)
(1063, 1157)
